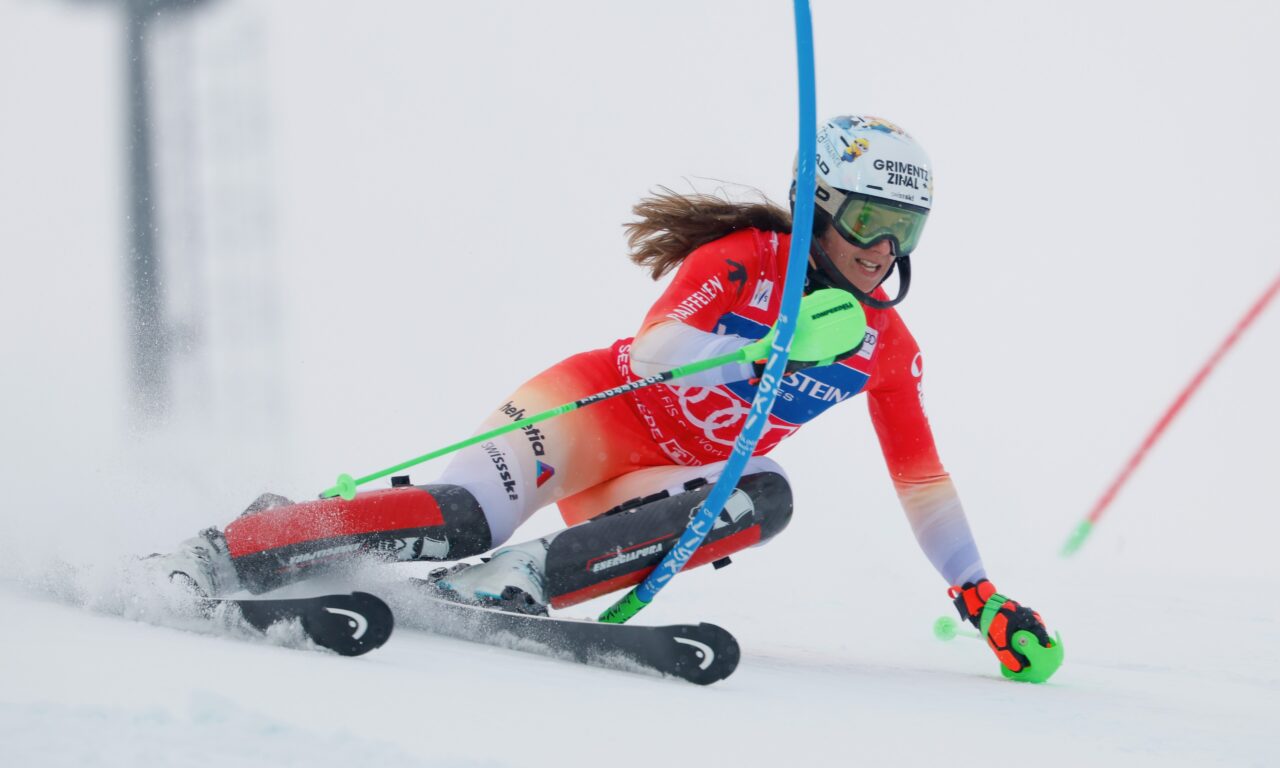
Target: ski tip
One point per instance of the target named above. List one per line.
(711, 653)
(349, 625)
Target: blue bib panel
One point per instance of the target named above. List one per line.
(804, 394)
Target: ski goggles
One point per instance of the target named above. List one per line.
(864, 221)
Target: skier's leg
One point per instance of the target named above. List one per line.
(276, 542)
(521, 472)
(618, 548)
(594, 501)
(486, 492)
(288, 543)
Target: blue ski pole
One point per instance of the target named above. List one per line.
(767, 390)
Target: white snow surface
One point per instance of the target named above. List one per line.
(446, 189)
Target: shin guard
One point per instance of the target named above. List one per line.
(622, 546)
(284, 544)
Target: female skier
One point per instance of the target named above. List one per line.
(626, 473)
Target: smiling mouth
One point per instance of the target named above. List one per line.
(870, 267)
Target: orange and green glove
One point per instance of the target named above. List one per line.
(1014, 632)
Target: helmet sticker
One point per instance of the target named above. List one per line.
(877, 124)
(850, 122)
(852, 151)
(871, 156)
(903, 174)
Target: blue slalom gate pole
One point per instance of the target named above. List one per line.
(767, 391)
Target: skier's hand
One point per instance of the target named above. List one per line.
(830, 327)
(979, 603)
(794, 365)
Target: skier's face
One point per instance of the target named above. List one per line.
(864, 267)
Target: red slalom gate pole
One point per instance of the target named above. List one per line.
(1082, 531)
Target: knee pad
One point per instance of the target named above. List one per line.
(283, 544)
(621, 547)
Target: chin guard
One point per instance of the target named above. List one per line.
(828, 276)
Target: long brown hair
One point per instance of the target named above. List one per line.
(672, 225)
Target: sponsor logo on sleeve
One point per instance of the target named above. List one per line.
(737, 275)
(700, 298)
(917, 370)
(763, 293)
(869, 344)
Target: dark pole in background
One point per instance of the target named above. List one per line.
(148, 332)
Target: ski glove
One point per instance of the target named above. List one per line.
(999, 619)
(830, 327)
(794, 365)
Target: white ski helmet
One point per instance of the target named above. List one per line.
(874, 182)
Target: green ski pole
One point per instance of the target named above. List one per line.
(346, 484)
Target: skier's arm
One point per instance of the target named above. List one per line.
(709, 283)
(895, 398)
(672, 344)
(928, 496)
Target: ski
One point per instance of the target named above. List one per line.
(699, 653)
(349, 625)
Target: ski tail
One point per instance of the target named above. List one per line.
(350, 625)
